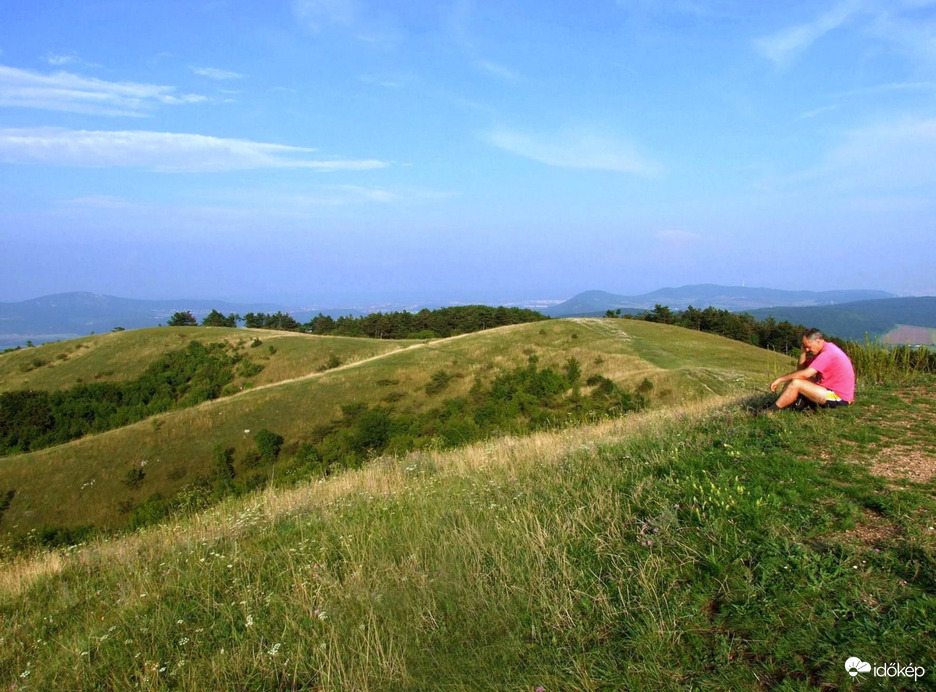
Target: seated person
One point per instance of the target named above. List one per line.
(824, 376)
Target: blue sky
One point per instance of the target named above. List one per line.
(353, 152)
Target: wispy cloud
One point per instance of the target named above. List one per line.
(815, 112)
(900, 153)
(575, 149)
(64, 91)
(160, 151)
(497, 70)
(315, 15)
(783, 47)
(215, 73)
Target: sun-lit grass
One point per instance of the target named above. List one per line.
(82, 483)
(877, 363)
(695, 546)
(124, 355)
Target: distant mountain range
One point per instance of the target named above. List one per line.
(70, 315)
(734, 298)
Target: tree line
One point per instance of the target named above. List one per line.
(782, 336)
(425, 324)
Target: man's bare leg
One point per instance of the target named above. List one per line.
(812, 391)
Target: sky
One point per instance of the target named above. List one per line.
(358, 152)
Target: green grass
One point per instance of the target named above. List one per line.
(83, 483)
(691, 548)
(880, 364)
(119, 356)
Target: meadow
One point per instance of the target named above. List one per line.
(84, 483)
(694, 545)
(690, 547)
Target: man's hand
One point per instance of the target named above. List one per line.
(776, 383)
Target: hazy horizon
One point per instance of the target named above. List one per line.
(346, 152)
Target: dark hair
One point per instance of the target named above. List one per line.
(812, 334)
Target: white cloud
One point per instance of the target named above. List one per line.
(159, 151)
(316, 14)
(64, 91)
(575, 149)
(498, 70)
(783, 47)
(215, 73)
(59, 59)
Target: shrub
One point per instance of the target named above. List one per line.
(438, 382)
(134, 477)
(268, 444)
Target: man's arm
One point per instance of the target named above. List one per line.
(806, 373)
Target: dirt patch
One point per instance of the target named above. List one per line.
(872, 530)
(907, 334)
(903, 462)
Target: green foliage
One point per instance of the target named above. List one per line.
(268, 444)
(279, 320)
(34, 419)
(152, 510)
(216, 319)
(182, 319)
(572, 370)
(134, 477)
(879, 364)
(333, 362)
(223, 462)
(517, 401)
(424, 324)
(439, 380)
(248, 368)
(58, 536)
(5, 500)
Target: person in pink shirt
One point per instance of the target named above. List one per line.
(824, 376)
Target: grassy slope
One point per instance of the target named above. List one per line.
(676, 548)
(124, 355)
(82, 482)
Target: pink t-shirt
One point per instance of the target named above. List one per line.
(836, 371)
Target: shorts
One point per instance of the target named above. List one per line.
(833, 400)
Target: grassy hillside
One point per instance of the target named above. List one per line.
(695, 547)
(119, 356)
(86, 482)
(856, 320)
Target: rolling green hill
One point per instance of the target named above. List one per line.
(119, 356)
(856, 320)
(100, 479)
(685, 547)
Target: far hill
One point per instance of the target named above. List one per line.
(856, 320)
(375, 392)
(71, 315)
(735, 298)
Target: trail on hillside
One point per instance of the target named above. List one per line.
(602, 327)
(429, 345)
